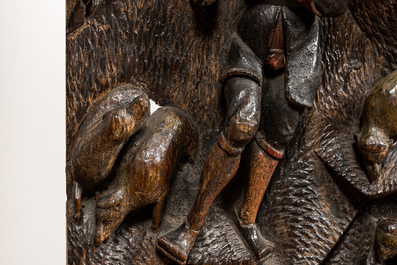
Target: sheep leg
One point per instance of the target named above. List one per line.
(158, 211)
(77, 191)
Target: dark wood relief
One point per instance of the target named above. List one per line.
(294, 101)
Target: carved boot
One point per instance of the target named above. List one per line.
(177, 244)
(260, 167)
(255, 241)
(219, 168)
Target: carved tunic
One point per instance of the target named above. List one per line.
(296, 82)
(249, 49)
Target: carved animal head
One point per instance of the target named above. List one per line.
(379, 124)
(118, 123)
(122, 122)
(374, 146)
(386, 239)
(111, 209)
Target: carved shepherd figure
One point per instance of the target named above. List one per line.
(164, 142)
(104, 131)
(273, 70)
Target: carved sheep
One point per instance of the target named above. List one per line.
(379, 124)
(165, 140)
(104, 131)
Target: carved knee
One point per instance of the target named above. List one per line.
(241, 131)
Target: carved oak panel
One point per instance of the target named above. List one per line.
(274, 142)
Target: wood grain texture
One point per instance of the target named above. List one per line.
(173, 47)
(174, 51)
(169, 48)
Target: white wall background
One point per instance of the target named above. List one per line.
(32, 132)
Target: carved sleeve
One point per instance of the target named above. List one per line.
(241, 61)
(249, 45)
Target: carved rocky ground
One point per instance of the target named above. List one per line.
(310, 204)
(175, 51)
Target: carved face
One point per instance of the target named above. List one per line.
(119, 124)
(386, 239)
(110, 212)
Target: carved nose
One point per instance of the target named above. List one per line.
(98, 240)
(374, 171)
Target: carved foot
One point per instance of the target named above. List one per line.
(257, 243)
(177, 244)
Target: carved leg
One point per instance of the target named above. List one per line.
(260, 170)
(158, 211)
(243, 100)
(219, 169)
(77, 191)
